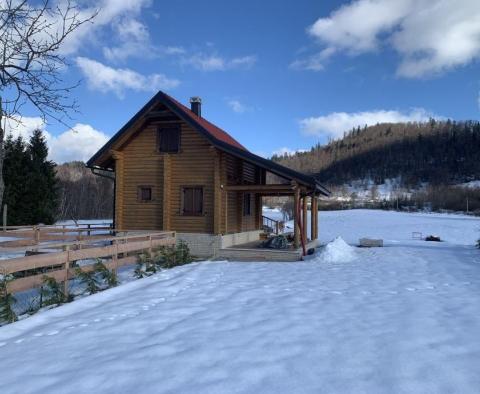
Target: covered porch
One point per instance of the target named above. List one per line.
(303, 196)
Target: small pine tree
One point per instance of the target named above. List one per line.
(52, 293)
(42, 184)
(109, 277)
(183, 253)
(146, 265)
(7, 314)
(89, 279)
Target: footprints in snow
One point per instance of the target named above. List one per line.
(154, 302)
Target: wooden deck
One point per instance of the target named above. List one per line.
(252, 251)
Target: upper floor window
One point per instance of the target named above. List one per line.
(169, 139)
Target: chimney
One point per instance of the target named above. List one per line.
(196, 105)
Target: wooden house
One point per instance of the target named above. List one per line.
(174, 170)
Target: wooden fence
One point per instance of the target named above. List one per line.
(115, 252)
(33, 235)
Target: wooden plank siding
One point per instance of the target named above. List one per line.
(199, 164)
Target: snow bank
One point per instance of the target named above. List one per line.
(337, 251)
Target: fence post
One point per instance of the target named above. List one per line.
(88, 227)
(36, 235)
(115, 256)
(67, 267)
(5, 206)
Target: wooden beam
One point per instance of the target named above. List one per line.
(316, 218)
(217, 196)
(304, 218)
(260, 188)
(296, 218)
(166, 192)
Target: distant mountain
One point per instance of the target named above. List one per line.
(436, 152)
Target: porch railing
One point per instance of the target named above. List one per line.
(272, 225)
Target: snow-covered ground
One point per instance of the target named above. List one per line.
(399, 319)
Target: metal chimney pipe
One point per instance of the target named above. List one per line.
(196, 105)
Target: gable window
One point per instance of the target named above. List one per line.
(169, 139)
(247, 204)
(192, 201)
(144, 193)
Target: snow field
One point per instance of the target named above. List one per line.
(399, 319)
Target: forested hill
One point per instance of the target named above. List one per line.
(438, 152)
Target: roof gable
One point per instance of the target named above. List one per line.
(217, 137)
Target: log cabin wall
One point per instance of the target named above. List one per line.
(143, 165)
(138, 163)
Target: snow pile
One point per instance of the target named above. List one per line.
(337, 251)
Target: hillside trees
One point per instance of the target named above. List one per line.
(83, 195)
(437, 152)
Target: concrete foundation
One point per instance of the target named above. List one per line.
(208, 245)
(235, 247)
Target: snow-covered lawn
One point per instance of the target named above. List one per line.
(400, 319)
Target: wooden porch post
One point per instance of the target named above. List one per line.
(304, 218)
(296, 231)
(314, 217)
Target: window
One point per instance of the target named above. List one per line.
(169, 140)
(192, 201)
(247, 204)
(144, 193)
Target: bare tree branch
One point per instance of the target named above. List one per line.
(31, 62)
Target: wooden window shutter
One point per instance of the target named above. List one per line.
(192, 200)
(169, 139)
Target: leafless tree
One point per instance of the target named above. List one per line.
(31, 61)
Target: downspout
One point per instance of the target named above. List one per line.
(112, 178)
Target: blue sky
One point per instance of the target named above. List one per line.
(275, 74)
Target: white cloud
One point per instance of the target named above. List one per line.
(111, 13)
(79, 143)
(108, 79)
(238, 107)
(336, 123)
(431, 36)
(214, 62)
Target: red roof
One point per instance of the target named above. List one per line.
(215, 131)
